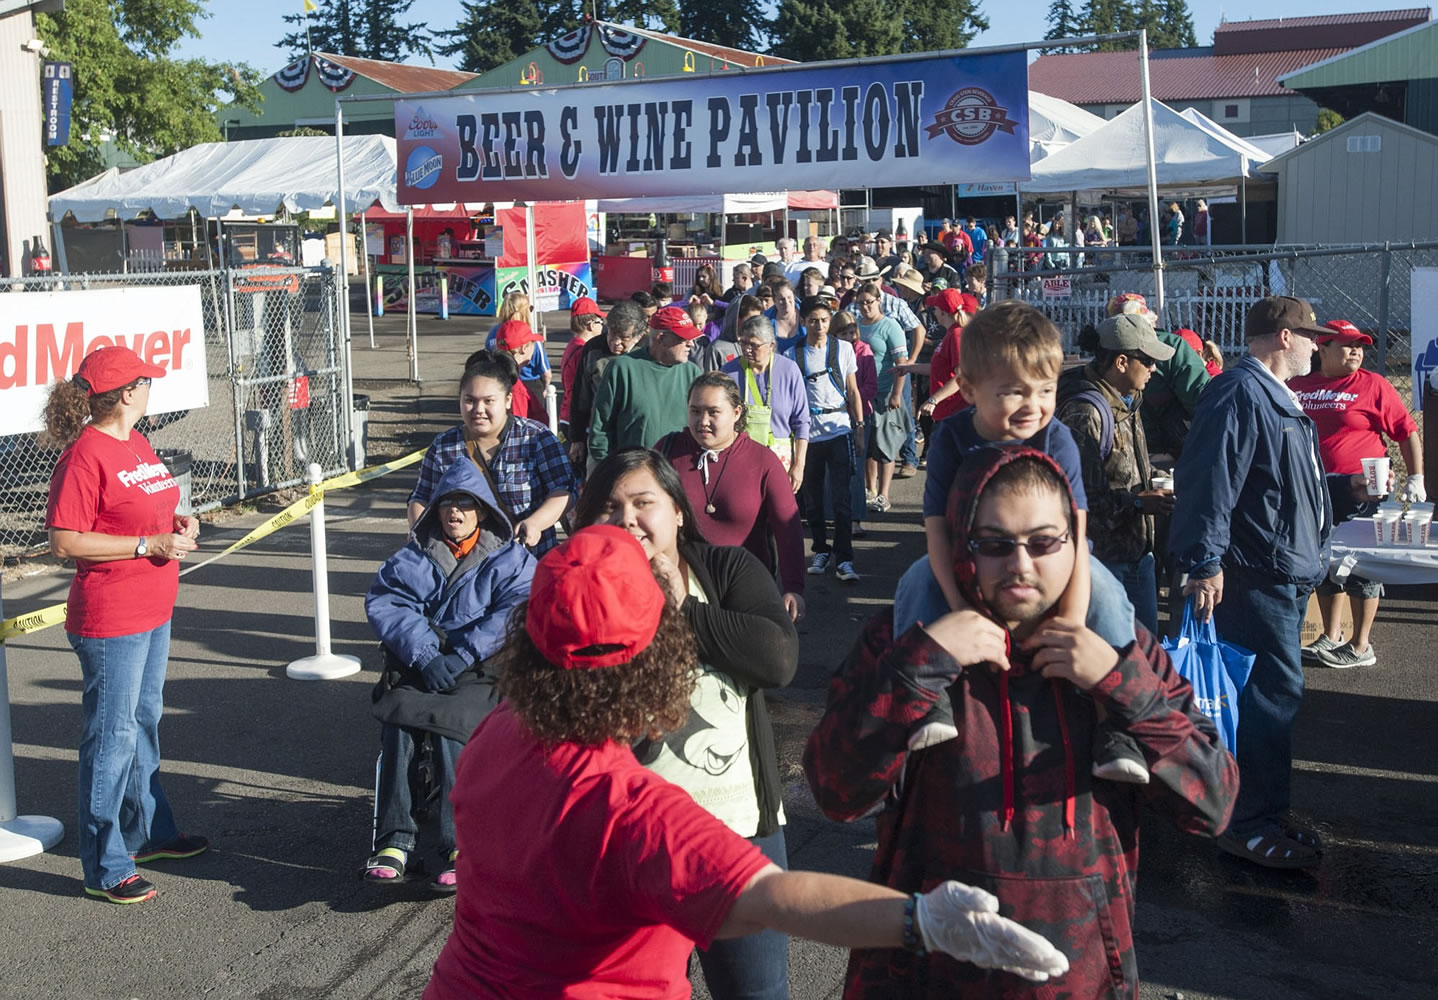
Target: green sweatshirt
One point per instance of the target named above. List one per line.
(1172, 395)
(638, 402)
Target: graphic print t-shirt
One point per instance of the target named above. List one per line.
(1351, 414)
(116, 488)
(709, 756)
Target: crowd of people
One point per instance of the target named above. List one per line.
(580, 630)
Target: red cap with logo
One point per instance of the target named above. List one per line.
(513, 334)
(1343, 332)
(951, 300)
(585, 306)
(594, 601)
(676, 321)
(113, 367)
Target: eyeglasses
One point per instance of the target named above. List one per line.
(866, 301)
(754, 346)
(142, 380)
(1143, 359)
(1003, 547)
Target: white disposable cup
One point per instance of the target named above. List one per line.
(1390, 529)
(1375, 473)
(1420, 524)
(1163, 483)
(1378, 520)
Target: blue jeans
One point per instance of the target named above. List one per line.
(1266, 617)
(827, 470)
(909, 453)
(122, 806)
(1140, 584)
(756, 966)
(919, 599)
(395, 825)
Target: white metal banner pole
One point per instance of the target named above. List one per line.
(411, 312)
(347, 404)
(20, 836)
(533, 269)
(324, 665)
(1153, 226)
(368, 290)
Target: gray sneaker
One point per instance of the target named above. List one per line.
(846, 571)
(820, 563)
(1344, 656)
(1315, 649)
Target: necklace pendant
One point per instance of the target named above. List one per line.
(709, 508)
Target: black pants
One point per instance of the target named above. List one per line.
(831, 461)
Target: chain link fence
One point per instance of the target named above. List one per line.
(275, 365)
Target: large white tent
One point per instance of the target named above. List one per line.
(255, 176)
(1191, 157)
(1055, 123)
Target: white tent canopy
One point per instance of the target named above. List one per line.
(718, 204)
(255, 176)
(1054, 123)
(1190, 156)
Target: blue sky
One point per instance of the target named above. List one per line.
(246, 30)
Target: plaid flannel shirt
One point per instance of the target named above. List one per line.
(529, 467)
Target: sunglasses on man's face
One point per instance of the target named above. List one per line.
(1144, 360)
(1001, 547)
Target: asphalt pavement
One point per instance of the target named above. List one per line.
(279, 773)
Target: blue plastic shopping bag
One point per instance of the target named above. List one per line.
(1217, 670)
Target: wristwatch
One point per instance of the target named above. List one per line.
(143, 549)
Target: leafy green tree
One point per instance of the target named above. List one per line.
(1178, 21)
(939, 25)
(492, 32)
(1328, 119)
(1063, 23)
(128, 88)
(656, 15)
(740, 24)
(370, 29)
(1103, 17)
(1169, 22)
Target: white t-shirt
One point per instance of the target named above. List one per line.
(823, 394)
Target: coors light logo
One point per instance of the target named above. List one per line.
(422, 125)
(970, 117)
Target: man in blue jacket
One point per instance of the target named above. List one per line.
(1251, 529)
(441, 606)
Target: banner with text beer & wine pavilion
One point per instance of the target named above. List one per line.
(935, 118)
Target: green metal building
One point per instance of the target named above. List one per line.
(1396, 77)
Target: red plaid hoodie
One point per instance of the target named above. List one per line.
(1011, 805)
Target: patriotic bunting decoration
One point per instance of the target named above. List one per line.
(293, 76)
(620, 43)
(333, 75)
(570, 47)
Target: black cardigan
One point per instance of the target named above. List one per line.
(745, 632)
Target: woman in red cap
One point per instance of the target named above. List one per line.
(1353, 409)
(953, 309)
(588, 875)
(586, 321)
(112, 509)
(519, 341)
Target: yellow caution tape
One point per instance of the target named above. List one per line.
(55, 614)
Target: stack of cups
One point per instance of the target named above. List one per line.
(1386, 522)
(1417, 523)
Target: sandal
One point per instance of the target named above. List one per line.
(1274, 849)
(387, 867)
(446, 881)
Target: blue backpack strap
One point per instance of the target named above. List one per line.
(1096, 399)
(833, 362)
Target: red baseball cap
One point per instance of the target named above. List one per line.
(594, 601)
(513, 334)
(1343, 332)
(585, 306)
(112, 367)
(675, 321)
(951, 300)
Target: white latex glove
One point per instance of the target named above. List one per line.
(963, 921)
(1416, 492)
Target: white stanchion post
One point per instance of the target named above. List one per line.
(551, 406)
(20, 836)
(324, 665)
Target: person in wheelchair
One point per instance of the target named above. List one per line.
(439, 606)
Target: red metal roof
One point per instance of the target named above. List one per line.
(1319, 32)
(1174, 74)
(402, 77)
(738, 57)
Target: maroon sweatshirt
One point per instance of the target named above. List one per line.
(751, 496)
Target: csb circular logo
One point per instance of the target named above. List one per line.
(970, 117)
(422, 168)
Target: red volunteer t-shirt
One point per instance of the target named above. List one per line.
(942, 367)
(582, 875)
(1352, 414)
(116, 488)
(568, 373)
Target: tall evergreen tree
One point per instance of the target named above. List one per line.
(739, 24)
(491, 33)
(1169, 22)
(367, 28)
(1063, 23)
(656, 15)
(937, 25)
(1103, 17)
(812, 30)
(1178, 19)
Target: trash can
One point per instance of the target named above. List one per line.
(359, 448)
(178, 461)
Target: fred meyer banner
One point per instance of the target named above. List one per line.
(927, 120)
(45, 335)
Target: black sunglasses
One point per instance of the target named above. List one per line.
(1143, 359)
(1003, 547)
